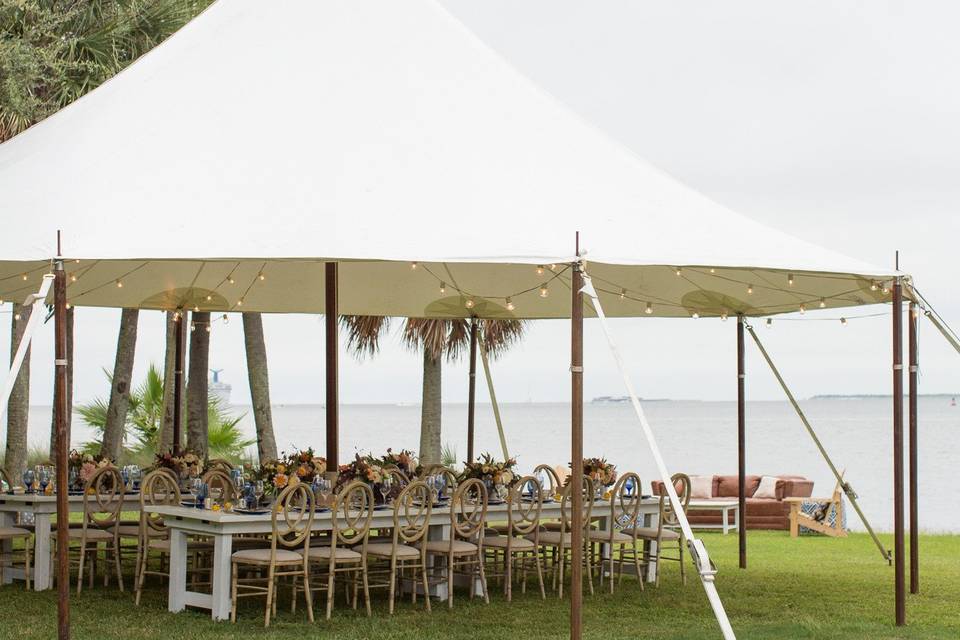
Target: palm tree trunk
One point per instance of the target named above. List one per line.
(430, 444)
(257, 373)
(165, 441)
(18, 407)
(116, 424)
(53, 419)
(197, 388)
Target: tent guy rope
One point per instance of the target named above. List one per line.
(37, 301)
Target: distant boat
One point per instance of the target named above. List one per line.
(219, 390)
(953, 402)
(611, 399)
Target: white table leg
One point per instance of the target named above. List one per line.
(176, 600)
(7, 519)
(652, 567)
(222, 552)
(41, 552)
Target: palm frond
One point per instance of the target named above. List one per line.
(363, 333)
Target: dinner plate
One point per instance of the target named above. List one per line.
(251, 512)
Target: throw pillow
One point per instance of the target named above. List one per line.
(767, 488)
(701, 487)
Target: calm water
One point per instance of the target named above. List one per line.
(695, 437)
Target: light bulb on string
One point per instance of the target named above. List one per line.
(678, 270)
(553, 267)
(231, 280)
(196, 309)
(873, 286)
(790, 279)
(73, 277)
(261, 276)
(749, 289)
(413, 266)
(544, 292)
(119, 284)
(209, 297)
(712, 270)
(226, 319)
(803, 308)
(469, 304)
(69, 305)
(443, 288)
(696, 315)
(823, 303)
(207, 328)
(77, 261)
(193, 326)
(886, 289)
(24, 276)
(510, 305)
(539, 269)
(649, 308)
(623, 295)
(16, 317)
(723, 316)
(843, 321)
(240, 302)
(769, 322)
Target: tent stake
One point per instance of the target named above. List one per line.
(472, 390)
(576, 454)
(898, 542)
(741, 446)
(63, 443)
(912, 412)
(493, 398)
(847, 488)
(331, 283)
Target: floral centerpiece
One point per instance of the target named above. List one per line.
(82, 466)
(299, 466)
(600, 471)
(486, 468)
(404, 460)
(366, 469)
(186, 465)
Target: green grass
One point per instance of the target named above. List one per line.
(813, 587)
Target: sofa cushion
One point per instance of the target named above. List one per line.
(729, 486)
(767, 488)
(766, 507)
(701, 487)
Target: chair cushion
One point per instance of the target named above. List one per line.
(324, 553)
(599, 535)
(500, 542)
(262, 556)
(552, 538)
(13, 532)
(385, 549)
(443, 546)
(650, 533)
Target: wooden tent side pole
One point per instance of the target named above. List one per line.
(912, 438)
(741, 445)
(331, 309)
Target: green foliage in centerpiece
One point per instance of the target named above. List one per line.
(487, 468)
(300, 466)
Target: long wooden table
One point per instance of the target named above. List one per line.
(221, 527)
(43, 507)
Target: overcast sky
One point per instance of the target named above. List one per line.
(834, 121)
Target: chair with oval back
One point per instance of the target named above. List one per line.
(463, 551)
(347, 552)
(102, 501)
(10, 556)
(158, 488)
(523, 519)
(219, 479)
(667, 529)
(292, 519)
(221, 464)
(551, 486)
(625, 511)
(559, 543)
(412, 510)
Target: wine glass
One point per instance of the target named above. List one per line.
(386, 485)
(44, 478)
(195, 485)
(74, 476)
(125, 475)
(441, 485)
(28, 478)
(325, 490)
(258, 491)
(236, 475)
(628, 485)
(136, 474)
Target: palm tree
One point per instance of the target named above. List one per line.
(18, 406)
(169, 363)
(120, 383)
(257, 374)
(438, 340)
(197, 387)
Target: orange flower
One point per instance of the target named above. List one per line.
(280, 480)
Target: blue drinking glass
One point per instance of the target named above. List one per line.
(28, 478)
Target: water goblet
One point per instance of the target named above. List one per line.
(125, 475)
(628, 485)
(73, 476)
(236, 476)
(386, 485)
(136, 475)
(258, 491)
(325, 491)
(44, 478)
(28, 479)
(195, 484)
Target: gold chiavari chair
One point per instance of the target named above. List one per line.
(102, 502)
(463, 552)
(411, 522)
(292, 519)
(351, 515)
(220, 485)
(551, 487)
(625, 509)
(523, 519)
(667, 529)
(9, 558)
(559, 543)
(221, 464)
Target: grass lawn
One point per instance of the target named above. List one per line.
(813, 587)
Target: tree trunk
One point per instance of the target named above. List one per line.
(430, 444)
(257, 374)
(53, 419)
(18, 407)
(197, 387)
(122, 378)
(165, 441)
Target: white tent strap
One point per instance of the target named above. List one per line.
(697, 549)
(847, 489)
(493, 395)
(37, 300)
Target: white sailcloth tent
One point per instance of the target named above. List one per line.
(222, 169)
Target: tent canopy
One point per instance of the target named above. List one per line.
(224, 167)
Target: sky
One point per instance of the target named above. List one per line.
(836, 122)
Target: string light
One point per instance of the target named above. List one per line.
(886, 289)
(261, 276)
(510, 305)
(544, 292)
(469, 303)
(176, 315)
(873, 286)
(723, 316)
(790, 279)
(750, 289)
(196, 308)
(413, 266)
(240, 302)
(843, 321)
(649, 308)
(193, 326)
(443, 288)
(678, 270)
(769, 322)
(73, 277)
(1, 301)
(226, 319)
(539, 269)
(712, 270)
(823, 303)
(209, 297)
(553, 267)
(696, 315)
(69, 305)
(208, 328)
(623, 295)
(16, 316)
(77, 261)
(803, 308)
(231, 280)
(24, 276)
(119, 284)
